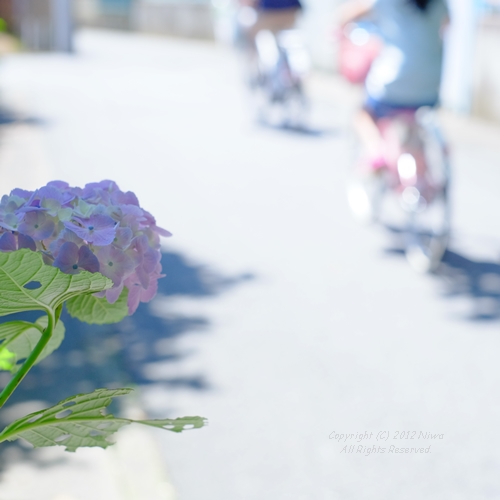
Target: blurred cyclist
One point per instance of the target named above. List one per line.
(407, 72)
(272, 15)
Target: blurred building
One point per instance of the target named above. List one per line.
(190, 18)
(471, 81)
(40, 24)
(485, 101)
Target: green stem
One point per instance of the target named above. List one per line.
(31, 359)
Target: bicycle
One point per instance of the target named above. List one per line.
(282, 63)
(416, 175)
(276, 64)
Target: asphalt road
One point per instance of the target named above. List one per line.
(290, 321)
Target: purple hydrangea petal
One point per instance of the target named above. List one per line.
(50, 193)
(25, 241)
(31, 208)
(37, 225)
(10, 222)
(59, 185)
(106, 185)
(114, 264)
(97, 229)
(67, 258)
(8, 242)
(99, 192)
(22, 193)
(128, 198)
(11, 204)
(123, 237)
(87, 260)
(64, 236)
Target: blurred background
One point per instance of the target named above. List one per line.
(280, 320)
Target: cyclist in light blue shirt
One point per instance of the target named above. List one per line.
(407, 72)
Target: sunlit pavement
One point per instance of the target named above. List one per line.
(322, 329)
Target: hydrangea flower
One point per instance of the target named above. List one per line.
(98, 228)
(70, 259)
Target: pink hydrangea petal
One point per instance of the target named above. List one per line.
(161, 231)
(143, 276)
(113, 294)
(114, 264)
(150, 260)
(150, 292)
(133, 299)
(139, 294)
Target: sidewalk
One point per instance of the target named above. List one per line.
(132, 469)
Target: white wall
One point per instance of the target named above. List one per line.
(319, 23)
(456, 91)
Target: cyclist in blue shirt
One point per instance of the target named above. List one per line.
(407, 72)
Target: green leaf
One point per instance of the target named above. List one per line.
(7, 360)
(177, 424)
(27, 284)
(99, 311)
(21, 337)
(80, 421)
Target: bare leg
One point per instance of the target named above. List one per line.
(369, 134)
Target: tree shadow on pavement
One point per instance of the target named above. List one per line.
(477, 279)
(463, 277)
(9, 117)
(118, 355)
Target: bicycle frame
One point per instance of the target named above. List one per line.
(408, 167)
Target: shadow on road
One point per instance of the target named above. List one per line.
(118, 355)
(9, 117)
(297, 129)
(476, 279)
(460, 276)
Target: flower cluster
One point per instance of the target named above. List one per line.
(97, 228)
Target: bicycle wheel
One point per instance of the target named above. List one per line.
(428, 233)
(364, 195)
(294, 108)
(365, 188)
(294, 65)
(427, 203)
